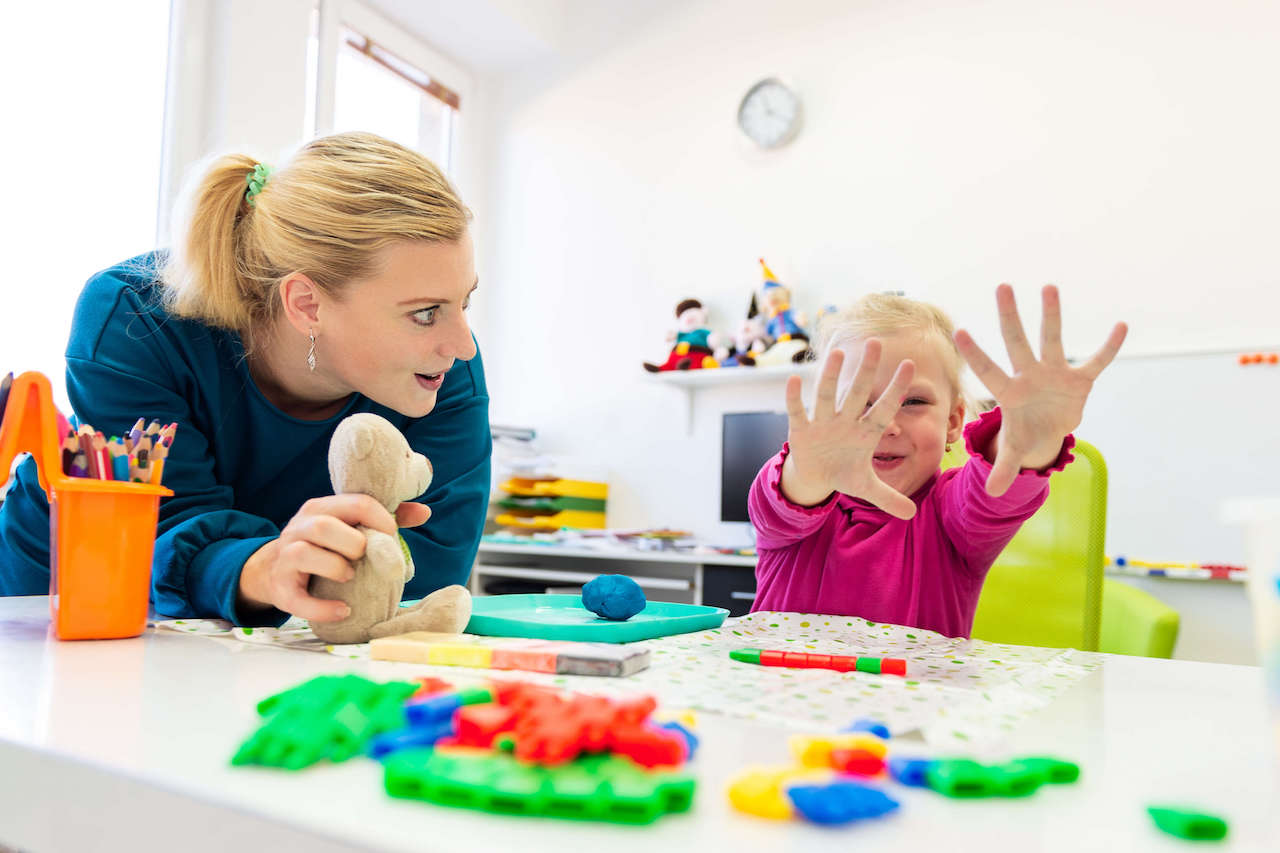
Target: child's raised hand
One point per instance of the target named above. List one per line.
(833, 450)
(1043, 401)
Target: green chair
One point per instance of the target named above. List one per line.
(1046, 588)
(1135, 622)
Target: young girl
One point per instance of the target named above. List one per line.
(293, 298)
(854, 517)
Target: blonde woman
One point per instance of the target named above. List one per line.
(337, 283)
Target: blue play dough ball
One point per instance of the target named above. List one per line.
(615, 597)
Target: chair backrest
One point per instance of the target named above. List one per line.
(1045, 588)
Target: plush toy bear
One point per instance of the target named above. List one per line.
(367, 455)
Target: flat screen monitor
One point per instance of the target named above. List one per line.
(749, 439)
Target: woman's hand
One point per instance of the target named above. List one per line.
(321, 539)
(1043, 401)
(833, 450)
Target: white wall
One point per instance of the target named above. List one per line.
(1122, 149)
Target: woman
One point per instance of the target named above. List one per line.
(292, 299)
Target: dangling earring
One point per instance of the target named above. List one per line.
(311, 354)
(948, 448)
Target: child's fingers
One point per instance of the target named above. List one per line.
(796, 416)
(855, 401)
(889, 499)
(987, 371)
(1003, 472)
(1051, 325)
(1104, 356)
(1015, 338)
(824, 405)
(881, 414)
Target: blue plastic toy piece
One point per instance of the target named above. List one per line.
(414, 736)
(690, 739)
(876, 728)
(840, 802)
(615, 597)
(913, 772)
(433, 710)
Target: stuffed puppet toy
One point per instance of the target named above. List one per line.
(367, 455)
(694, 342)
(782, 324)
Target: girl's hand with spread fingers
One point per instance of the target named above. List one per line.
(833, 450)
(1043, 400)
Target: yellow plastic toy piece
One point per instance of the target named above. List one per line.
(684, 717)
(574, 518)
(457, 654)
(815, 750)
(682, 348)
(761, 791)
(556, 488)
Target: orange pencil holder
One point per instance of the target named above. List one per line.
(102, 533)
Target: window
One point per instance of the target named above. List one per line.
(84, 106)
(379, 90)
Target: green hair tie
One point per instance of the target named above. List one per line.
(257, 179)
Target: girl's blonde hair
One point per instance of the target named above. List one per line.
(878, 314)
(326, 213)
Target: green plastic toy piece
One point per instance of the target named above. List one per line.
(1194, 826)
(1017, 778)
(868, 665)
(746, 655)
(1055, 770)
(329, 717)
(598, 787)
(475, 696)
(963, 779)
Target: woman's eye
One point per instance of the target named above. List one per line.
(425, 317)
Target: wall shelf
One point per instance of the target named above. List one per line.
(691, 380)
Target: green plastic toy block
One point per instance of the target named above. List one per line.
(1055, 770)
(1017, 778)
(329, 717)
(868, 665)
(962, 778)
(1195, 826)
(599, 787)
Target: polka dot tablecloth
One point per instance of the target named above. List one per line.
(957, 693)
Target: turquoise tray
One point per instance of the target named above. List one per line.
(562, 617)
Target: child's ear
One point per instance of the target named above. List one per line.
(955, 421)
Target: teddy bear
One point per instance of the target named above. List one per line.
(694, 342)
(368, 455)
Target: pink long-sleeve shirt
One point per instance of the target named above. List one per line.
(847, 557)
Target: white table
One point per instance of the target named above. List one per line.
(124, 745)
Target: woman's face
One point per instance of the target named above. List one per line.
(395, 334)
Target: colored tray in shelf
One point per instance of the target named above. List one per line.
(562, 617)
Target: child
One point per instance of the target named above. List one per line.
(854, 517)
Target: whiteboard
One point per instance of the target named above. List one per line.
(1182, 434)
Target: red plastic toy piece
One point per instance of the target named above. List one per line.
(893, 666)
(648, 747)
(857, 762)
(769, 658)
(478, 725)
(429, 686)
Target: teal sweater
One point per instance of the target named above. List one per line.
(239, 467)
